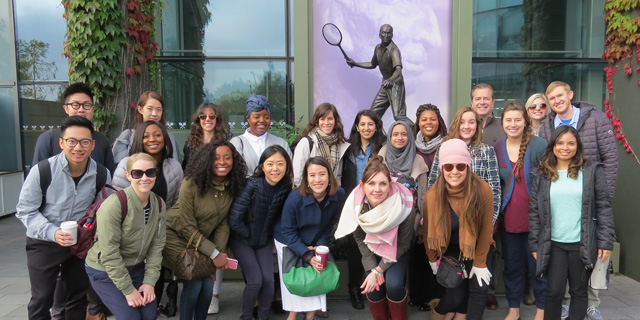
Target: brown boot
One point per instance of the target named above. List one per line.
(399, 310)
(98, 316)
(379, 309)
(434, 315)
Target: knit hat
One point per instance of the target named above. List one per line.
(454, 151)
(257, 103)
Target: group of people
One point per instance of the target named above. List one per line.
(533, 187)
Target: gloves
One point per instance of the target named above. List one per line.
(434, 267)
(481, 274)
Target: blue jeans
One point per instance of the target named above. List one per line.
(195, 298)
(393, 287)
(518, 258)
(257, 268)
(115, 300)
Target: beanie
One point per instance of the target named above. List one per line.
(454, 151)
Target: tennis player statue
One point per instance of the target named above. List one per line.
(387, 56)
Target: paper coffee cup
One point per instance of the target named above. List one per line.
(322, 253)
(70, 227)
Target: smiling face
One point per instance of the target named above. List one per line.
(367, 127)
(399, 136)
(153, 140)
(428, 124)
(152, 110)
(513, 124)
(455, 177)
(274, 168)
(539, 112)
(78, 154)
(259, 122)
(208, 124)
(145, 183)
(560, 101)
(327, 123)
(223, 164)
(80, 98)
(318, 178)
(468, 127)
(565, 148)
(482, 101)
(376, 189)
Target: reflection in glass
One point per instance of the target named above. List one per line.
(8, 130)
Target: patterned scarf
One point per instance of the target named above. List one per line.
(427, 147)
(329, 148)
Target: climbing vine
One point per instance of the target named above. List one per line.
(623, 40)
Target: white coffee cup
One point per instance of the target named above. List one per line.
(70, 227)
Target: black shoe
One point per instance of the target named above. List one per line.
(171, 308)
(425, 307)
(276, 307)
(529, 299)
(356, 298)
(414, 303)
(492, 302)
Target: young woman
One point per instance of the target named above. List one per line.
(458, 223)
(430, 129)
(206, 126)
(323, 137)
(309, 213)
(150, 139)
(256, 139)
(400, 155)
(215, 175)
(566, 236)
(251, 219)
(150, 107)
(379, 215)
(124, 262)
(518, 156)
(366, 139)
(537, 109)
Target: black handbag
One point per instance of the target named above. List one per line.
(451, 272)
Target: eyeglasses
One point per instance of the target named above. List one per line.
(541, 105)
(204, 117)
(459, 166)
(76, 106)
(137, 173)
(72, 142)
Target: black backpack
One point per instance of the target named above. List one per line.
(295, 142)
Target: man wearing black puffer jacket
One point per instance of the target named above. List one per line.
(599, 143)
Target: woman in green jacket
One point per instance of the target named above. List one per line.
(215, 175)
(124, 263)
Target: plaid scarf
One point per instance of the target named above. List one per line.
(329, 148)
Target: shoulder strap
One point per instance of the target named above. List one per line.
(122, 196)
(44, 168)
(101, 177)
(56, 134)
(310, 143)
(159, 202)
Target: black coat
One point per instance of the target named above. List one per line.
(597, 218)
(254, 212)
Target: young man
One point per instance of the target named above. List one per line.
(78, 101)
(72, 189)
(599, 143)
(482, 101)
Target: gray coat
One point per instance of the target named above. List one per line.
(597, 218)
(597, 137)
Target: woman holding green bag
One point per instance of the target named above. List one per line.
(308, 215)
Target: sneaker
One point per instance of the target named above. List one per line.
(593, 313)
(565, 311)
(214, 307)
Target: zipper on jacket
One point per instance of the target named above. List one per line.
(144, 237)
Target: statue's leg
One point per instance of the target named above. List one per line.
(398, 105)
(381, 102)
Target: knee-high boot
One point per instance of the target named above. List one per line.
(379, 309)
(399, 310)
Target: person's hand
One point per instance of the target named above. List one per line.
(63, 238)
(387, 84)
(315, 264)
(312, 248)
(134, 299)
(148, 293)
(351, 63)
(603, 254)
(370, 283)
(220, 261)
(434, 267)
(482, 274)
(535, 255)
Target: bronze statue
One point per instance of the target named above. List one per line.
(387, 56)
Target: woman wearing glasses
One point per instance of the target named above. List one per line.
(537, 109)
(458, 224)
(150, 107)
(206, 126)
(124, 263)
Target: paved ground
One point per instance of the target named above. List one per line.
(621, 301)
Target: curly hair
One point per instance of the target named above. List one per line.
(527, 134)
(322, 110)
(196, 138)
(137, 145)
(144, 97)
(548, 167)
(442, 127)
(378, 138)
(200, 168)
(454, 130)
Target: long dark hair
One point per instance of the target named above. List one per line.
(378, 138)
(442, 127)
(200, 168)
(527, 136)
(321, 111)
(144, 97)
(548, 167)
(268, 152)
(137, 145)
(333, 186)
(196, 137)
